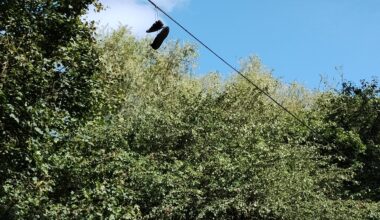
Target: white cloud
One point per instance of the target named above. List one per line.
(138, 15)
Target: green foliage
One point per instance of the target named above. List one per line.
(120, 131)
(352, 122)
(46, 67)
(167, 145)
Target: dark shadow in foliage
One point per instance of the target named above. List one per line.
(353, 116)
(7, 211)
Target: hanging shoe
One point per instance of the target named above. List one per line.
(160, 38)
(155, 27)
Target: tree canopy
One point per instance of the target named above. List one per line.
(107, 128)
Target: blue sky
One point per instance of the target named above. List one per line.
(299, 39)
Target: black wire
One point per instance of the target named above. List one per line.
(237, 71)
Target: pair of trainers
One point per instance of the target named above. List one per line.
(159, 39)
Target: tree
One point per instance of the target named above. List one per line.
(46, 68)
(144, 138)
(352, 125)
(169, 145)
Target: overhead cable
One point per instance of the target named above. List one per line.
(236, 70)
